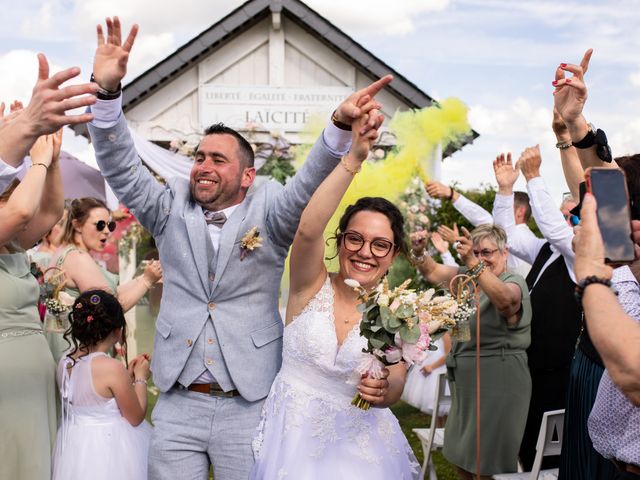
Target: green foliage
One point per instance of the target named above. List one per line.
(279, 168)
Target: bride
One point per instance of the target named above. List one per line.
(309, 429)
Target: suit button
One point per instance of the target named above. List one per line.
(211, 305)
(209, 362)
(210, 341)
(212, 276)
(112, 137)
(189, 342)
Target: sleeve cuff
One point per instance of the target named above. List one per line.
(503, 200)
(536, 184)
(106, 112)
(337, 141)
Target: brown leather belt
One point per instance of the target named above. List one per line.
(627, 467)
(212, 389)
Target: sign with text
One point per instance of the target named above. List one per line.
(267, 108)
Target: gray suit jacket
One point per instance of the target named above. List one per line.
(241, 297)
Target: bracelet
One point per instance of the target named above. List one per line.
(417, 259)
(338, 123)
(40, 163)
(564, 145)
(450, 197)
(590, 280)
(476, 271)
(140, 380)
(104, 94)
(346, 167)
(146, 282)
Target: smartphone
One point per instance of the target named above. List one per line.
(609, 186)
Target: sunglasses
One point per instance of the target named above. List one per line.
(100, 224)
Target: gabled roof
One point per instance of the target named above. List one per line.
(252, 12)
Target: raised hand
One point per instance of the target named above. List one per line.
(506, 174)
(449, 234)
(570, 94)
(438, 242)
(530, 161)
(559, 127)
(57, 146)
(419, 242)
(439, 190)
(42, 150)
(361, 143)
(45, 113)
(112, 56)
(464, 248)
(351, 108)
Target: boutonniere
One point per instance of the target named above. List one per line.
(250, 242)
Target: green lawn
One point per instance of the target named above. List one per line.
(408, 417)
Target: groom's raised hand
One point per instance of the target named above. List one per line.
(112, 56)
(350, 109)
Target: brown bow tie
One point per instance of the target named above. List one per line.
(215, 218)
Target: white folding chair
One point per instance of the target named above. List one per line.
(549, 443)
(432, 438)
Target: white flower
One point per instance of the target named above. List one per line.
(352, 283)
(383, 300)
(414, 209)
(66, 299)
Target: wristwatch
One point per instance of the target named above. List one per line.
(598, 138)
(103, 94)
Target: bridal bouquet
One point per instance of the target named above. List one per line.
(401, 324)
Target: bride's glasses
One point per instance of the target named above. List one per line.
(379, 247)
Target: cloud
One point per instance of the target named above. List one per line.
(634, 78)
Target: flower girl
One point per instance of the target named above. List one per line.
(102, 434)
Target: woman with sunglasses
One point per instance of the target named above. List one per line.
(505, 319)
(86, 231)
(309, 428)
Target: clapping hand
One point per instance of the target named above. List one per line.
(153, 272)
(449, 234)
(570, 94)
(438, 242)
(464, 248)
(419, 242)
(506, 173)
(139, 367)
(112, 56)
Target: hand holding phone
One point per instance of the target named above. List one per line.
(609, 187)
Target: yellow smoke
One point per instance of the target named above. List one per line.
(417, 133)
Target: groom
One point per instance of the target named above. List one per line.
(219, 334)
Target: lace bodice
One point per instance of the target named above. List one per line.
(309, 408)
(311, 351)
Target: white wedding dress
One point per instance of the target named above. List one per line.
(309, 429)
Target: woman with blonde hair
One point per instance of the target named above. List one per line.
(505, 318)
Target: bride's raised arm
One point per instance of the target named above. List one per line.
(307, 268)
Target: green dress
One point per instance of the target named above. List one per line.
(505, 389)
(27, 376)
(56, 326)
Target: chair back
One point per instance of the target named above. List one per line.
(549, 439)
(442, 397)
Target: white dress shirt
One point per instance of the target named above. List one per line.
(479, 216)
(522, 242)
(8, 173)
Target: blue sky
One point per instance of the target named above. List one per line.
(497, 56)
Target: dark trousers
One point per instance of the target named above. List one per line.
(548, 392)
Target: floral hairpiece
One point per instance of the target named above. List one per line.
(94, 299)
(90, 319)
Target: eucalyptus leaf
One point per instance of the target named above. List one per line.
(410, 335)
